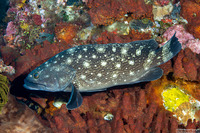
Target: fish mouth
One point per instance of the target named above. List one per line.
(33, 86)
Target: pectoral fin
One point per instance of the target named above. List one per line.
(75, 99)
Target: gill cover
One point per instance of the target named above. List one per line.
(55, 78)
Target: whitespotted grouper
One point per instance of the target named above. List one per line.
(96, 67)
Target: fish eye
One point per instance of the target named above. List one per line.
(36, 75)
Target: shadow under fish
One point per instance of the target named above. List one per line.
(96, 67)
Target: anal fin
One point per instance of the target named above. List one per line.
(152, 74)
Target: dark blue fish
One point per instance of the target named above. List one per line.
(96, 67)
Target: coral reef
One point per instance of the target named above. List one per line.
(182, 35)
(186, 65)
(8, 69)
(39, 29)
(30, 21)
(141, 24)
(178, 97)
(162, 2)
(159, 12)
(194, 45)
(117, 9)
(185, 38)
(190, 11)
(183, 106)
(65, 32)
(3, 91)
(18, 118)
(131, 113)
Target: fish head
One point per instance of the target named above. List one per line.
(50, 77)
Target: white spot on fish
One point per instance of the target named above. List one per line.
(85, 49)
(146, 68)
(132, 73)
(86, 64)
(124, 50)
(131, 62)
(158, 57)
(57, 69)
(62, 56)
(46, 65)
(62, 80)
(100, 49)
(166, 57)
(71, 50)
(99, 74)
(103, 63)
(148, 60)
(79, 56)
(55, 62)
(118, 65)
(56, 56)
(83, 77)
(46, 76)
(139, 50)
(69, 61)
(94, 56)
(114, 75)
(166, 54)
(114, 49)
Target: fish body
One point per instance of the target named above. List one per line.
(96, 67)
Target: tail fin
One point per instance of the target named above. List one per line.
(167, 51)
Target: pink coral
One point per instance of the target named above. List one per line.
(181, 34)
(185, 38)
(11, 29)
(194, 45)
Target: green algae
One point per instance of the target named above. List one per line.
(3, 91)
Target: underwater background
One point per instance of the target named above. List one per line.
(32, 31)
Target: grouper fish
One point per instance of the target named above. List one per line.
(96, 67)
